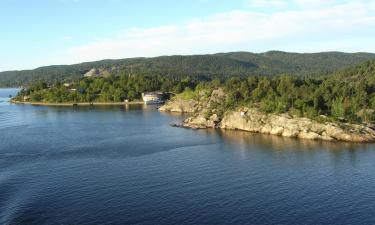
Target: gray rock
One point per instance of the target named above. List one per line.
(180, 105)
(253, 120)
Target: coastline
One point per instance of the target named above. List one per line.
(205, 115)
(77, 103)
(247, 119)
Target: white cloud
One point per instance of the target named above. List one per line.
(304, 29)
(288, 3)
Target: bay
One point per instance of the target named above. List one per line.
(127, 165)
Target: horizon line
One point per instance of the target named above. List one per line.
(151, 57)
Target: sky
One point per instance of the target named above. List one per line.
(37, 33)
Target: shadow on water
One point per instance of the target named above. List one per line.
(278, 143)
(337, 151)
(106, 108)
(48, 133)
(123, 164)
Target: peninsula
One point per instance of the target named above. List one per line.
(253, 119)
(340, 107)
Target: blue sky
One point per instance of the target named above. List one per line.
(44, 32)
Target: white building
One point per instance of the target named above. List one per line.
(153, 97)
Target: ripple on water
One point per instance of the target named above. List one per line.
(116, 166)
(7, 120)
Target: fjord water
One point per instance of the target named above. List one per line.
(127, 165)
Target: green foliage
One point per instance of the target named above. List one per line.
(111, 89)
(337, 108)
(199, 67)
(341, 96)
(372, 102)
(187, 94)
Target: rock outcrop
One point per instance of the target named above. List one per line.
(253, 120)
(180, 105)
(101, 72)
(285, 125)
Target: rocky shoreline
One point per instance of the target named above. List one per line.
(253, 120)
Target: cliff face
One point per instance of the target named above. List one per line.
(180, 105)
(253, 120)
(284, 125)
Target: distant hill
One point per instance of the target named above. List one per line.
(203, 66)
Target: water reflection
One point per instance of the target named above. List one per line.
(123, 164)
(339, 153)
(284, 143)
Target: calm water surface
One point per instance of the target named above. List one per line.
(126, 165)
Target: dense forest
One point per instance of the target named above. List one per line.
(348, 95)
(100, 89)
(202, 67)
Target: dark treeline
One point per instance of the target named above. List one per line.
(213, 66)
(348, 95)
(109, 89)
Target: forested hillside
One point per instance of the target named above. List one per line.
(347, 95)
(198, 66)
